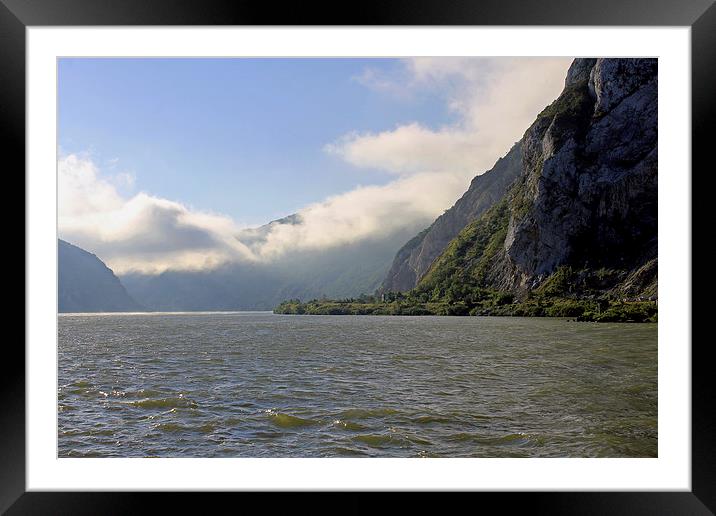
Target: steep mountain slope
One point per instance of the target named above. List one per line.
(415, 258)
(86, 284)
(581, 220)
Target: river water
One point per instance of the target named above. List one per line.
(254, 384)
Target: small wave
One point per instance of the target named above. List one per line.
(81, 392)
(288, 421)
(426, 420)
(207, 428)
(418, 440)
(348, 452)
(180, 402)
(446, 419)
(348, 425)
(640, 388)
(92, 432)
(88, 453)
(141, 393)
(268, 435)
(508, 439)
(81, 383)
(366, 413)
(170, 427)
(373, 439)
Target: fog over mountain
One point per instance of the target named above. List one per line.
(342, 271)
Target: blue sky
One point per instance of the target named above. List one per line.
(163, 163)
(242, 137)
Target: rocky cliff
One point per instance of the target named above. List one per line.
(584, 204)
(415, 258)
(86, 284)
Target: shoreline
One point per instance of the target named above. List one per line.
(580, 310)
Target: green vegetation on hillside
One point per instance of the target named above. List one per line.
(574, 101)
(496, 304)
(565, 293)
(457, 284)
(462, 268)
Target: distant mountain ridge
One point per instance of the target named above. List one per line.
(86, 284)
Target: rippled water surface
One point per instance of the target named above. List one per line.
(264, 385)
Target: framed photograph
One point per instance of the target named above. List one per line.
(428, 248)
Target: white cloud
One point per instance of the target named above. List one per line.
(80, 189)
(410, 149)
(376, 80)
(365, 212)
(141, 232)
(125, 179)
(494, 101)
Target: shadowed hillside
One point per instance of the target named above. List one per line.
(86, 284)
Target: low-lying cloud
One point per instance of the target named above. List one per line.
(142, 232)
(494, 101)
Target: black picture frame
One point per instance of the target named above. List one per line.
(700, 15)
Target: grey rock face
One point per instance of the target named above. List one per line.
(588, 196)
(579, 71)
(415, 258)
(615, 79)
(86, 284)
